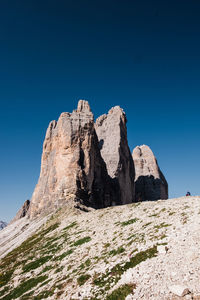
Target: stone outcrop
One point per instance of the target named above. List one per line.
(112, 135)
(150, 183)
(72, 167)
(2, 225)
(22, 211)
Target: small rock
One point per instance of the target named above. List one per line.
(188, 297)
(162, 249)
(179, 290)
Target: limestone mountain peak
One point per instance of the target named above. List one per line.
(83, 106)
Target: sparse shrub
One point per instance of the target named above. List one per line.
(117, 251)
(83, 278)
(121, 292)
(5, 277)
(131, 221)
(36, 263)
(60, 257)
(43, 295)
(82, 241)
(70, 226)
(115, 273)
(24, 287)
(162, 225)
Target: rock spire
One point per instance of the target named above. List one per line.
(72, 167)
(112, 135)
(150, 183)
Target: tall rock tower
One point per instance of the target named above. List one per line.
(71, 166)
(112, 135)
(150, 183)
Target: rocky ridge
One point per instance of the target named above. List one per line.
(146, 250)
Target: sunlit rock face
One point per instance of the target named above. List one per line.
(112, 135)
(72, 167)
(150, 183)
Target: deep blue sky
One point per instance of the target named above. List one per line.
(141, 55)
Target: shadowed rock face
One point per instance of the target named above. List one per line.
(23, 211)
(2, 225)
(71, 166)
(150, 183)
(112, 135)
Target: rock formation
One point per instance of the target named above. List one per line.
(150, 183)
(112, 135)
(71, 166)
(22, 211)
(2, 225)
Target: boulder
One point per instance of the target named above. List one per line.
(179, 290)
(150, 183)
(72, 168)
(112, 135)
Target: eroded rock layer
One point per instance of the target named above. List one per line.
(71, 166)
(150, 183)
(112, 135)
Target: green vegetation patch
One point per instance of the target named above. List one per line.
(121, 292)
(5, 290)
(82, 241)
(36, 263)
(117, 251)
(162, 225)
(60, 257)
(115, 273)
(27, 296)
(70, 226)
(47, 268)
(146, 225)
(24, 287)
(43, 295)
(106, 245)
(131, 221)
(83, 278)
(136, 238)
(5, 277)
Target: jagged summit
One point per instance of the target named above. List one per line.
(150, 183)
(71, 168)
(83, 106)
(90, 164)
(75, 168)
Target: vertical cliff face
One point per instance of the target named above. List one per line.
(150, 183)
(112, 135)
(71, 166)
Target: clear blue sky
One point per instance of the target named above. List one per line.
(141, 55)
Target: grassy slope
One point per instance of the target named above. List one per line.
(87, 253)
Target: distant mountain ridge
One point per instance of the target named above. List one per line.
(2, 225)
